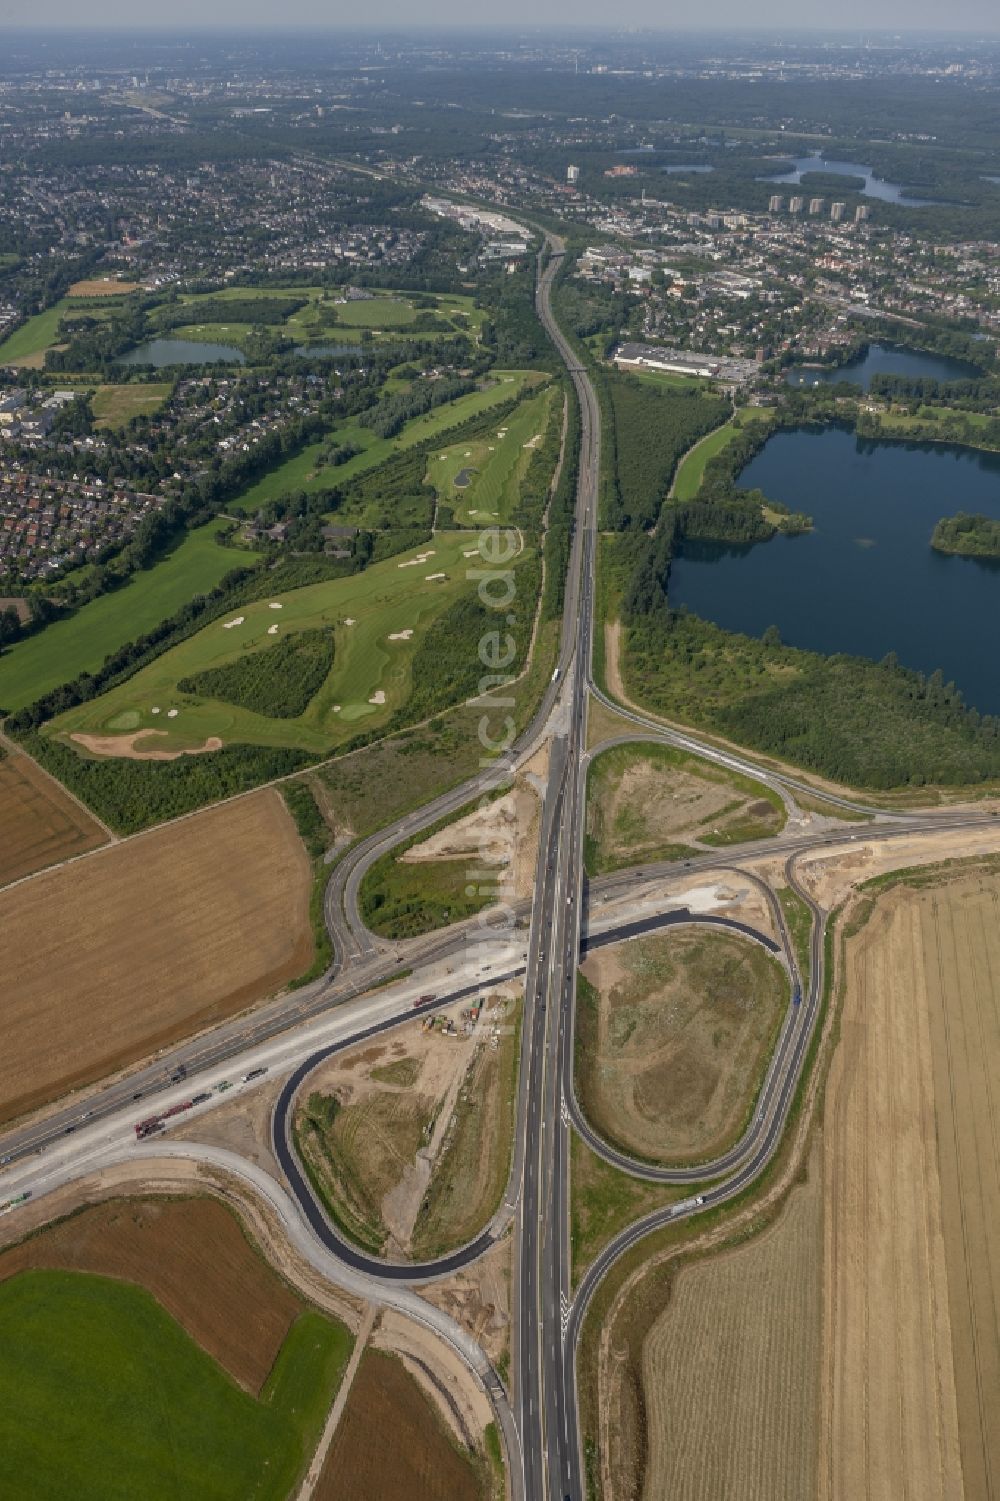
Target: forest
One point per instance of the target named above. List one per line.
(645, 433)
(967, 536)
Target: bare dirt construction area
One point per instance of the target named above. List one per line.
(143, 943)
(39, 824)
(650, 801)
(196, 1260)
(911, 1366)
(392, 1444)
(478, 1297)
(672, 1040)
(731, 1367)
(503, 833)
(379, 1125)
(831, 874)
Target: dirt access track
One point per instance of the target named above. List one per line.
(141, 944)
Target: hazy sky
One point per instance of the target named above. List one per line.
(974, 15)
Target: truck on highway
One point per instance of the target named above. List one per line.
(556, 675)
(684, 1205)
(254, 1073)
(148, 1127)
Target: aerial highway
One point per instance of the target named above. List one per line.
(372, 985)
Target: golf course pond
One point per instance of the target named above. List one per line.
(865, 580)
(162, 352)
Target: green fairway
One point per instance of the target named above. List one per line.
(40, 333)
(492, 469)
(34, 336)
(80, 644)
(691, 470)
(304, 471)
(106, 1398)
(376, 312)
(400, 595)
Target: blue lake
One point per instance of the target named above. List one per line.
(161, 352)
(875, 187)
(866, 580)
(882, 359)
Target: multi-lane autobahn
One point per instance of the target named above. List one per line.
(293, 1034)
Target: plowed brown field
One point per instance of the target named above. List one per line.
(911, 1338)
(391, 1445)
(731, 1368)
(143, 943)
(192, 1255)
(39, 824)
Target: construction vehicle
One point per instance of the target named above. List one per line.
(683, 1205)
(254, 1073)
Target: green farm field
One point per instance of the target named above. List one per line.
(492, 468)
(81, 643)
(301, 471)
(113, 406)
(104, 1397)
(403, 594)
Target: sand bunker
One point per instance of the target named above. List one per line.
(172, 713)
(400, 635)
(349, 620)
(378, 697)
(227, 625)
(272, 630)
(471, 552)
(274, 605)
(420, 558)
(154, 711)
(429, 576)
(127, 746)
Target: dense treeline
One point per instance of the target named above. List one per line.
(562, 514)
(388, 416)
(862, 723)
(312, 826)
(447, 666)
(279, 681)
(975, 536)
(512, 333)
(976, 394)
(132, 795)
(648, 431)
(261, 310)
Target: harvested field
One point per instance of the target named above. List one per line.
(147, 941)
(911, 1372)
(673, 1037)
(39, 824)
(391, 1444)
(101, 286)
(649, 802)
(731, 1367)
(195, 1259)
